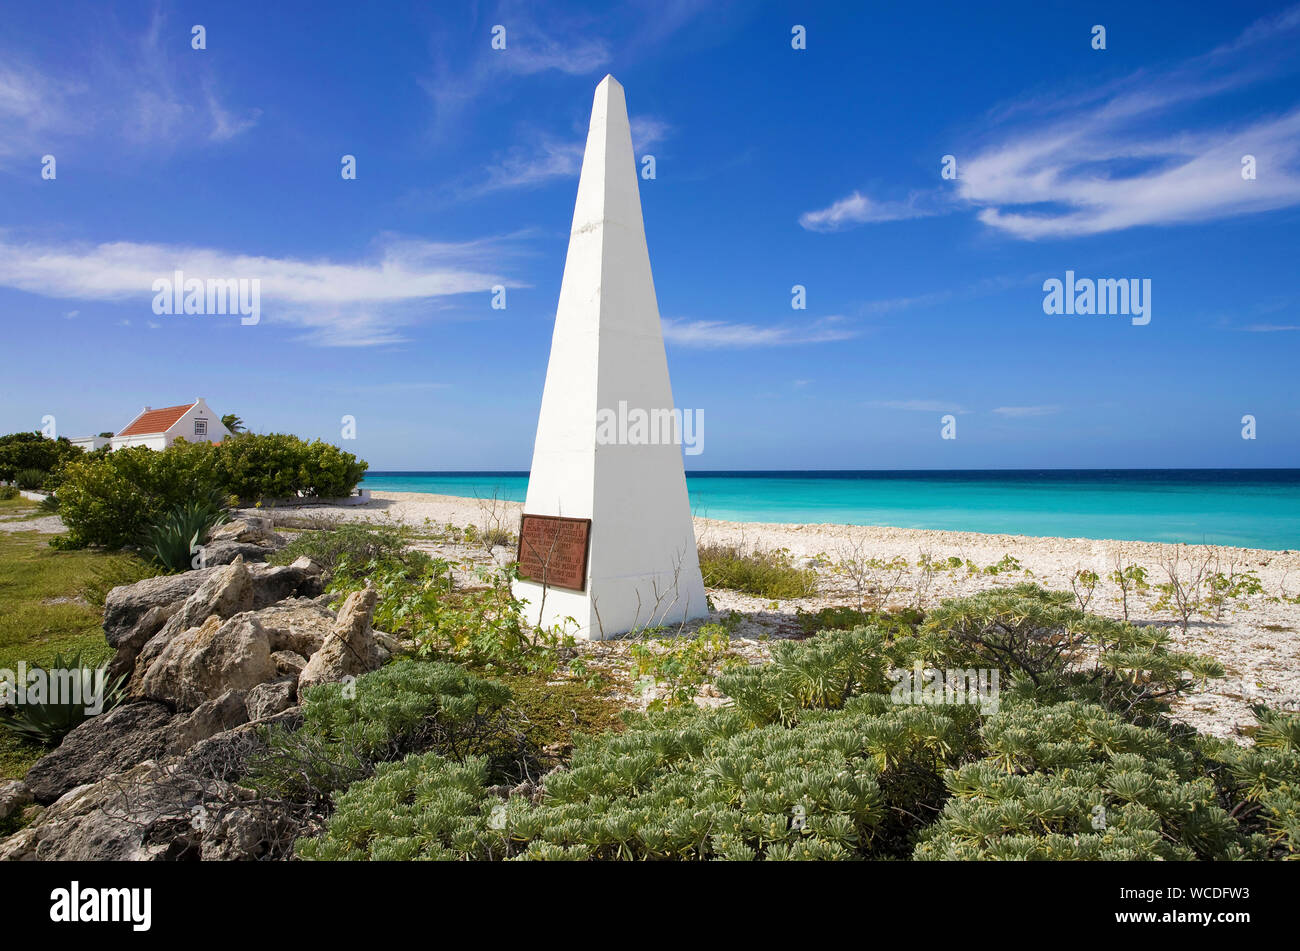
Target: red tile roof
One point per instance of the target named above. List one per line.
(156, 420)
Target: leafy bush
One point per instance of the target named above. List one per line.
(353, 546)
(769, 574)
(173, 540)
(1072, 781)
(404, 707)
(19, 451)
(30, 479)
(8, 492)
(482, 626)
(683, 663)
(1053, 651)
(73, 686)
(109, 499)
(278, 465)
(816, 759)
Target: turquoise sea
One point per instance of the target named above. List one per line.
(1252, 508)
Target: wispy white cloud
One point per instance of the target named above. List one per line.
(565, 45)
(1020, 412)
(719, 334)
(357, 303)
(550, 158)
(919, 406)
(857, 209)
(1134, 152)
(1270, 328)
(129, 92)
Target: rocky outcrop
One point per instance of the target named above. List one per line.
(250, 529)
(299, 626)
(288, 663)
(203, 663)
(125, 736)
(207, 719)
(131, 642)
(266, 700)
(215, 656)
(109, 743)
(225, 552)
(153, 811)
(14, 796)
(351, 648)
(126, 605)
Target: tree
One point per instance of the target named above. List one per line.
(233, 423)
(19, 451)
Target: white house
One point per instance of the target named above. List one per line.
(159, 428)
(90, 443)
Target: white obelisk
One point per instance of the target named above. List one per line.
(607, 349)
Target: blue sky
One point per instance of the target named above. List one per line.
(775, 167)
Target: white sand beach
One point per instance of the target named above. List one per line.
(1256, 638)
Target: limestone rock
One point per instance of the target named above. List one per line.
(288, 663)
(101, 745)
(249, 528)
(153, 811)
(207, 719)
(300, 626)
(14, 795)
(125, 605)
(132, 642)
(275, 583)
(224, 552)
(351, 649)
(224, 592)
(266, 700)
(202, 663)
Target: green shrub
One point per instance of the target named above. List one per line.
(1052, 651)
(407, 706)
(1072, 781)
(8, 492)
(354, 546)
(173, 540)
(769, 574)
(73, 687)
(277, 465)
(482, 626)
(683, 664)
(109, 499)
(19, 451)
(30, 479)
(818, 758)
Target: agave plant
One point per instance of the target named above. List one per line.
(30, 479)
(173, 540)
(72, 689)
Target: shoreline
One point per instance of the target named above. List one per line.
(456, 507)
(1256, 637)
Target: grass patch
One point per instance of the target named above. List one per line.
(768, 574)
(43, 612)
(553, 714)
(17, 506)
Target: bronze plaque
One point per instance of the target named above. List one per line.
(553, 550)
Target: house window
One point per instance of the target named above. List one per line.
(200, 427)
